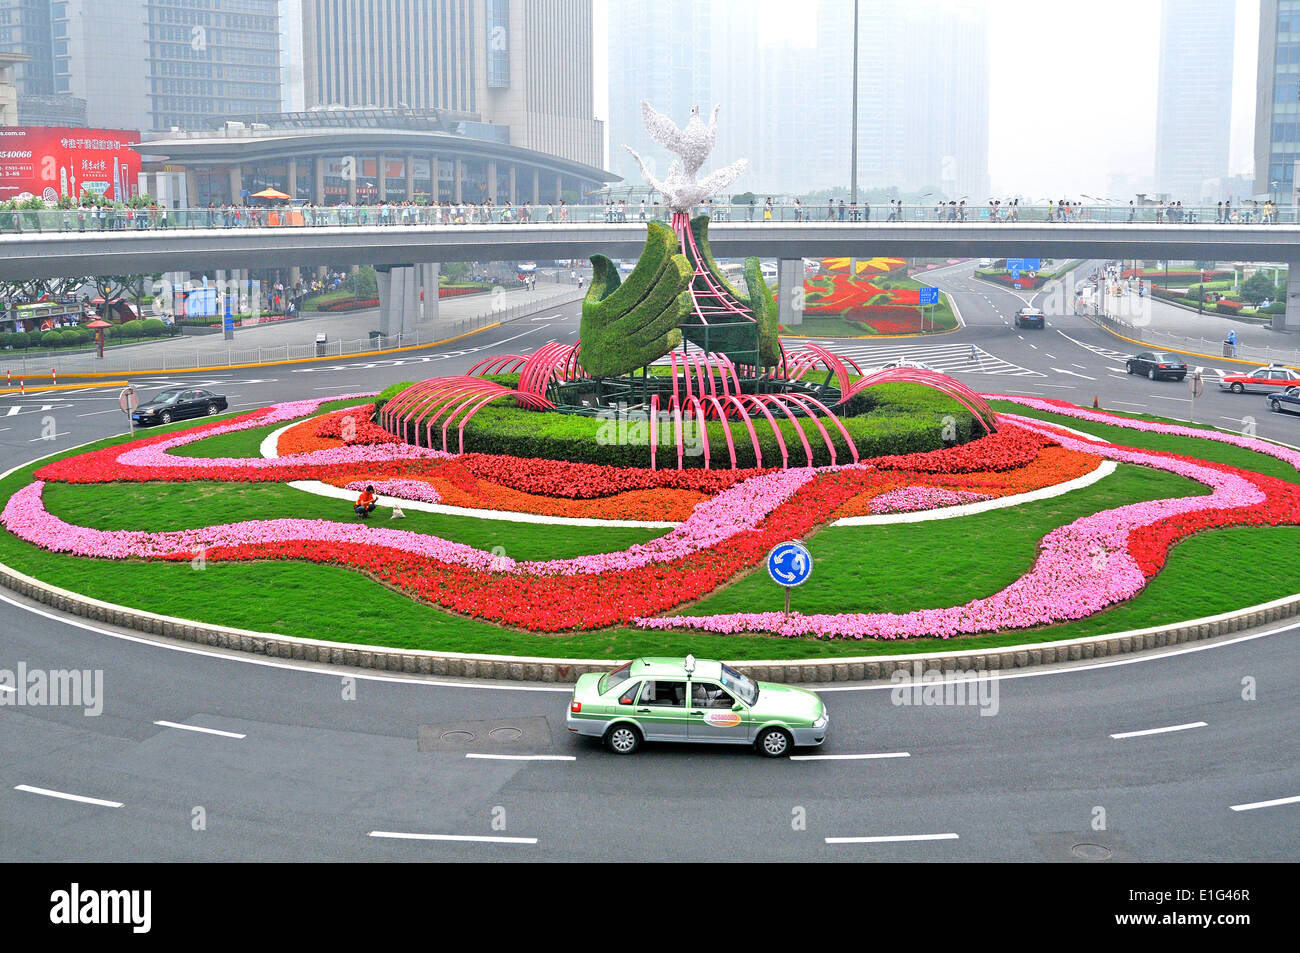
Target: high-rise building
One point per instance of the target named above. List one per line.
(1277, 101)
(525, 65)
(25, 31)
(1194, 100)
(293, 93)
(660, 51)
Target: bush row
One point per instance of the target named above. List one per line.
(69, 337)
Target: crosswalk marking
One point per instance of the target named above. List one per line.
(946, 358)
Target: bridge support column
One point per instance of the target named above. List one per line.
(428, 278)
(399, 299)
(1291, 320)
(789, 291)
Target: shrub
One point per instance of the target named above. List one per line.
(154, 327)
(1228, 307)
(131, 329)
(50, 339)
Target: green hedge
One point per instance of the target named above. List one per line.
(887, 419)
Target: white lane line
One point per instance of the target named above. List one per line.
(9, 689)
(1159, 731)
(1072, 364)
(1181, 400)
(96, 413)
(1053, 357)
(889, 839)
(849, 757)
(66, 797)
(1255, 805)
(1129, 403)
(206, 731)
(397, 835)
(1073, 374)
(521, 757)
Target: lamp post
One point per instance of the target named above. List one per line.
(853, 164)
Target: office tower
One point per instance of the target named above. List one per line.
(1194, 102)
(1277, 101)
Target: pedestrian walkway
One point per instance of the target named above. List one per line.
(346, 334)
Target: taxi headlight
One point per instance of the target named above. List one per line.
(821, 721)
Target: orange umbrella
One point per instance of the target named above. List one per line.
(269, 193)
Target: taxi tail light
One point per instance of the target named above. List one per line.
(575, 707)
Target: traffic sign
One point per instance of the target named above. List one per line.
(1018, 286)
(1024, 264)
(789, 564)
(128, 400)
(1015, 273)
(929, 296)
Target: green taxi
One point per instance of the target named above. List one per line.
(674, 699)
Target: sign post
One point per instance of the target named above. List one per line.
(129, 400)
(789, 565)
(928, 296)
(1197, 386)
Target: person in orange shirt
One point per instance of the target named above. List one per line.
(365, 504)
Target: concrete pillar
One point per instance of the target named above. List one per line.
(434, 196)
(559, 187)
(399, 299)
(537, 183)
(352, 182)
(383, 179)
(428, 280)
(318, 180)
(236, 183)
(1291, 320)
(492, 180)
(410, 177)
(191, 189)
(458, 179)
(789, 277)
(293, 179)
(513, 195)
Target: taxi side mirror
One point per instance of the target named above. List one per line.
(738, 707)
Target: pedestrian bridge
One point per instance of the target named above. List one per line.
(31, 255)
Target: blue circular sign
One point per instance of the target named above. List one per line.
(789, 564)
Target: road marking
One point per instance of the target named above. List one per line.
(849, 757)
(67, 797)
(1159, 731)
(1053, 357)
(521, 757)
(1126, 403)
(96, 413)
(1184, 400)
(1073, 374)
(455, 837)
(889, 839)
(1256, 805)
(206, 731)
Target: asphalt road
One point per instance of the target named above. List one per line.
(311, 762)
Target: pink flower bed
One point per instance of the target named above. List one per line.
(402, 489)
(913, 499)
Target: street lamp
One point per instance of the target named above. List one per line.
(853, 166)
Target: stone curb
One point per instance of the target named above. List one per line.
(526, 669)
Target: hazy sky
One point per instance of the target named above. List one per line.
(1072, 88)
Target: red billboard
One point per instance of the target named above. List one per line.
(51, 162)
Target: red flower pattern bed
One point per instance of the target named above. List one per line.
(734, 519)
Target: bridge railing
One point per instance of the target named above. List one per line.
(1160, 340)
(126, 220)
(136, 359)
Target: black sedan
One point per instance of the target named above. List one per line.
(1156, 365)
(1285, 401)
(177, 405)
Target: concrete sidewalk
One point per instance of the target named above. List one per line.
(347, 333)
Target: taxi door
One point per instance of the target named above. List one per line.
(661, 709)
(715, 715)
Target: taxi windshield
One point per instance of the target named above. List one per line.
(746, 689)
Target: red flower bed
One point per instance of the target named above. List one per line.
(578, 481)
(354, 427)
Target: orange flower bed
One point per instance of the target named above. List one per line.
(301, 438)
(1053, 465)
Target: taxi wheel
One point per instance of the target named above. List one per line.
(774, 743)
(623, 739)
(1238, 389)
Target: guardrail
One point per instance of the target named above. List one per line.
(140, 360)
(1165, 340)
(307, 216)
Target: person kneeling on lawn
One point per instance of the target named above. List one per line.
(365, 502)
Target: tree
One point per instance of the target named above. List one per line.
(1258, 287)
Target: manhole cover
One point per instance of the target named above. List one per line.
(458, 737)
(505, 734)
(532, 732)
(1091, 851)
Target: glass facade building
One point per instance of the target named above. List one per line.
(1277, 101)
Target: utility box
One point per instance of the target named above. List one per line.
(320, 344)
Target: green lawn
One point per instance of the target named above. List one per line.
(889, 568)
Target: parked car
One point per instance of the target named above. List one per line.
(1262, 380)
(177, 405)
(1030, 318)
(1286, 401)
(685, 700)
(1156, 365)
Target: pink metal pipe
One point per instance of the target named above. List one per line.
(776, 431)
(803, 437)
(749, 425)
(654, 428)
(726, 429)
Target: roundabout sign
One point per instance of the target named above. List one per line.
(789, 565)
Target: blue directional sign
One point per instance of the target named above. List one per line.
(1015, 273)
(929, 296)
(789, 564)
(1023, 264)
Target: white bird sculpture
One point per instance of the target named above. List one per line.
(681, 190)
